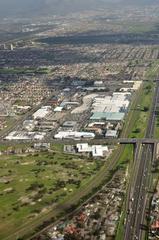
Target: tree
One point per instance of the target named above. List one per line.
(145, 109)
(137, 130)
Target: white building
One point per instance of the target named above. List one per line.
(29, 125)
(58, 109)
(111, 134)
(117, 103)
(21, 135)
(73, 135)
(95, 150)
(42, 112)
(83, 147)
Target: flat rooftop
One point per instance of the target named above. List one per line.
(109, 116)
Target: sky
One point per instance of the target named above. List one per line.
(35, 7)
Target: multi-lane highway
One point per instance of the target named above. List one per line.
(138, 195)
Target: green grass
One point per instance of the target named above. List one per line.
(51, 170)
(151, 74)
(127, 156)
(141, 112)
(153, 70)
(136, 121)
(120, 230)
(156, 135)
(125, 160)
(141, 27)
(24, 70)
(10, 121)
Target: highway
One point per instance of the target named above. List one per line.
(139, 184)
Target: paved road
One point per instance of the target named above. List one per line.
(74, 142)
(138, 195)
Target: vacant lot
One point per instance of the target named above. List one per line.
(30, 184)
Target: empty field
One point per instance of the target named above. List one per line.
(31, 184)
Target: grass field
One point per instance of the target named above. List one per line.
(153, 70)
(141, 27)
(141, 113)
(157, 127)
(31, 184)
(24, 70)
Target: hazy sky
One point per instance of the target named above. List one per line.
(20, 7)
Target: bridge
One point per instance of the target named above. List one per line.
(138, 142)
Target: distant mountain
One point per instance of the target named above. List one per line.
(36, 7)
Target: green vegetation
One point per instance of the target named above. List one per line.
(125, 159)
(120, 230)
(30, 184)
(90, 185)
(24, 70)
(141, 113)
(135, 123)
(153, 70)
(157, 128)
(141, 27)
(157, 124)
(9, 124)
(151, 75)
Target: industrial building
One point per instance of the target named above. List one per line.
(42, 112)
(73, 135)
(110, 108)
(21, 135)
(58, 109)
(42, 146)
(95, 150)
(29, 125)
(111, 134)
(65, 104)
(117, 103)
(107, 116)
(69, 124)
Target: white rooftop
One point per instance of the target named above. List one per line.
(22, 135)
(58, 109)
(42, 112)
(73, 134)
(96, 150)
